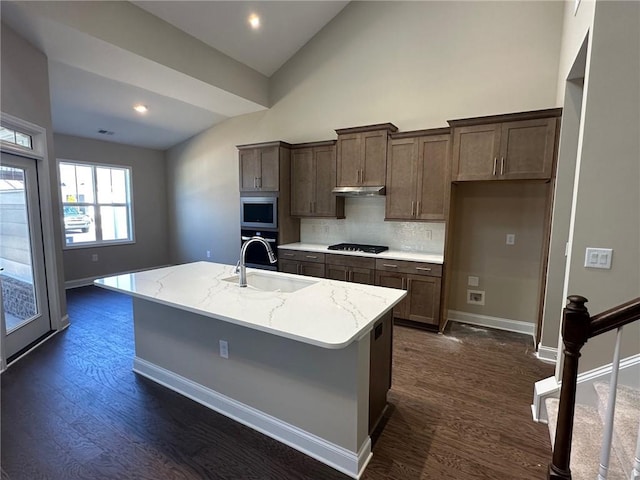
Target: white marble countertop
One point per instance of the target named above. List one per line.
(327, 313)
(390, 254)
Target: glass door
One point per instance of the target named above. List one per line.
(24, 298)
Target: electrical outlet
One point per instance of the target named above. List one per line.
(428, 235)
(224, 349)
(511, 238)
(475, 297)
(473, 281)
(208, 253)
(94, 257)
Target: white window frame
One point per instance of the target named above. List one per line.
(96, 206)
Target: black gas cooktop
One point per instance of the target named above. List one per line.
(358, 247)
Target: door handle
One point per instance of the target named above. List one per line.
(501, 165)
(418, 209)
(495, 164)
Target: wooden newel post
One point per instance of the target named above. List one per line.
(575, 332)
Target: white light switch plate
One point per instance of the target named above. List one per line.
(598, 257)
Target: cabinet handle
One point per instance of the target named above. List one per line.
(424, 269)
(501, 165)
(350, 276)
(314, 207)
(310, 207)
(310, 256)
(260, 182)
(404, 283)
(299, 269)
(418, 209)
(288, 254)
(495, 164)
(412, 205)
(390, 265)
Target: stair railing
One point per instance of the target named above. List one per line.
(577, 328)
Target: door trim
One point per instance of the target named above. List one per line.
(49, 212)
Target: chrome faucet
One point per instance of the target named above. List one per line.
(241, 268)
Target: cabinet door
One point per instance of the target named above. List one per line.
(337, 272)
(527, 149)
(400, 202)
(348, 160)
(325, 175)
(361, 275)
(475, 152)
(302, 181)
(249, 169)
(394, 280)
(424, 299)
(269, 169)
(374, 158)
(288, 266)
(312, 269)
(432, 179)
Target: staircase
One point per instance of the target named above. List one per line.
(588, 431)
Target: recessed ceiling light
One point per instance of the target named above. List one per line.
(254, 21)
(140, 108)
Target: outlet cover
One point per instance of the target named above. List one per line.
(94, 257)
(475, 297)
(473, 281)
(511, 238)
(224, 349)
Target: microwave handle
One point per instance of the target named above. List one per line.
(270, 240)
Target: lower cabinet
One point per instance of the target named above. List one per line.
(350, 268)
(422, 281)
(310, 264)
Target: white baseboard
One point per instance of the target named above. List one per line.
(547, 354)
(629, 374)
(492, 322)
(343, 460)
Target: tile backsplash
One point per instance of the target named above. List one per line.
(364, 223)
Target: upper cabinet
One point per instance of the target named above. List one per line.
(260, 166)
(313, 176)
(519, 146)
(362, 155)
(418, 181)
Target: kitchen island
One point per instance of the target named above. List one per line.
(305, 361)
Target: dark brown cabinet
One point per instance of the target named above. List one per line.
(418, 183)
(261, 166)
(505, 147)
(362, 155)
(422, 281)
(313, 177)
(300, 262)
(350, 268)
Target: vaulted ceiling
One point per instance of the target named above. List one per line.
(193, 64)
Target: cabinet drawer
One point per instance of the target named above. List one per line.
(301, 256)
(351, 261)
(403, 266)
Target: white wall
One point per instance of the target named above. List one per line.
(148, 185)
(607, 196)
(416, 64)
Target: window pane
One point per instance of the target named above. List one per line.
(76, 183)
(7, 135)
(79, 224)
(112, 185)
(115, 225)
(23, 139)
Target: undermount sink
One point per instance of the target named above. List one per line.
(272, 283)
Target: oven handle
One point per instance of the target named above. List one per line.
(270, 240)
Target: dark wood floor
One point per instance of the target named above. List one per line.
(73, 409)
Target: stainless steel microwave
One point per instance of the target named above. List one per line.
(259, 212)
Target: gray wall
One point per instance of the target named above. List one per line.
(25, 94)
(416, 64)
(148, 183)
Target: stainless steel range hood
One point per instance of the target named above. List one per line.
(359, 191)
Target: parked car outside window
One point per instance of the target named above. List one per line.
(74, 220)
